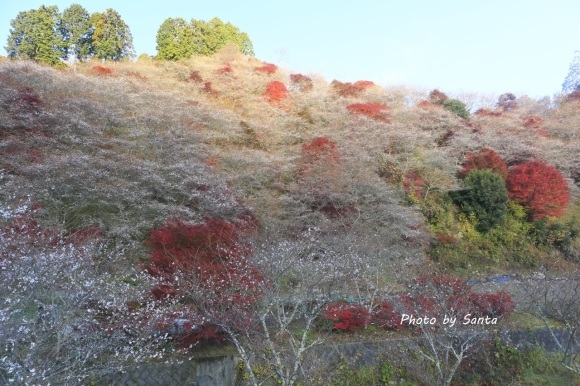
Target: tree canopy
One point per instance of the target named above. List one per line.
(111, 37)
(47, 36)
(75, 29)
(177, 39)
(35, 36)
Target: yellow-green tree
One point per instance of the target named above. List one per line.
(175, 40)
(111, 37)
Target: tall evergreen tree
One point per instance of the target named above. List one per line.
(111, 37)
(175, 40)
(35, 35)
(486, 198)
(76, 31)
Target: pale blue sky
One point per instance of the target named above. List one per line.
(492, 46)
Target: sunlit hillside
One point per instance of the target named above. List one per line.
(216, 189)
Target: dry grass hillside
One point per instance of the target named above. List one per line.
(354, 181)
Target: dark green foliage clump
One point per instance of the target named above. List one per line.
(456, 106)
(486, 198)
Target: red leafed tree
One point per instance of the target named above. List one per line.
(346, 317)
(351, 89)
(319, 157)
(206, 266)
(384, 316)
(540, 188)
(413, 184)
(267, 68)
(486, 158)
(496, 305)
(437, 295)
(276, 92)
(372, 110)
(301, 82)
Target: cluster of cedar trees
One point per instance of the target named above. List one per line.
(48, 36)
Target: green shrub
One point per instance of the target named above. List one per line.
(456, 106)
(486, 198)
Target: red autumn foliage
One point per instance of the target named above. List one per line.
(27, 101)
(537, 123)
(301, 82)
(532, 121)
(372, 110)
(210, 257)
(346, 317)
(540, 188)
(434, 295)
(492, 305)
(227, 69)
(195, 77)
(424, 104)
(319, 155)
(349, 89)
(445, 138)
(207, 87)
(384, 316)
(487, 113)
(413, 184)
(486, 158)
(267, 68)
(437, 97)
(101, 70)
(276, 93)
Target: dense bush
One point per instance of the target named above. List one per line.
(319, 156)
(348, 89)
(372, 110)
(457, 107)
(540, 188)
(437, 295)
(267, 68)
(346, 317)
(437, 97)
(301, 82)
(486, 198)
(384, 316)
(507, 101)
(485, 159)
(496, 305)
(103, 71)
(276, 93)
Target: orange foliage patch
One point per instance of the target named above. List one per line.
(301, 82)
(100, 70)
(207, 87)
(539, 187)
(485, 159)
(350, 89)
(227, 69)
(276, 92)
(372, 110)
(194, 77)
(267, 68)
(487, 113)
(424, 104)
